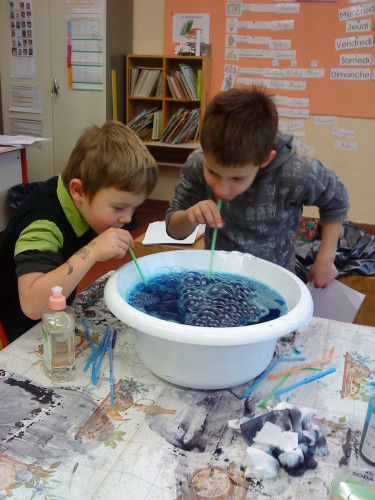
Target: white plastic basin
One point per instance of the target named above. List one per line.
(200, 357)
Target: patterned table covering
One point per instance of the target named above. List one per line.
(160, 441)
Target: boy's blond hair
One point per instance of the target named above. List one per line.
(239, 127)
(111, 156)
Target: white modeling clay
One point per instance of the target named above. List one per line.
(260, 464)
(269, 434)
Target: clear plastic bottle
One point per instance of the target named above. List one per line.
(58, 324)
(367, 446)
(348, 484)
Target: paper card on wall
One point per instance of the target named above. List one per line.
(25, 98)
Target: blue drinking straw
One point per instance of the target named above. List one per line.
(303, 382)
(136, 265)
(214, 237)
(88, 334)
(99, 354)
(111, 367)
(264, 374)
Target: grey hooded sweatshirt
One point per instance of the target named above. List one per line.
(264, 220)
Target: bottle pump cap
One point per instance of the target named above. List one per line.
(57, 301)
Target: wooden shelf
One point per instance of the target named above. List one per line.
(168, 104)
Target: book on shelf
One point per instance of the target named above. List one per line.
(177, 126)
(183, 86)
(156, 128)
(180, 86)
(199, 84)
(182, 126)
(189, 129)
(191, 79)
(146, 82)
(175, 93)
(143, 123)
(159, 86)
(171, 123)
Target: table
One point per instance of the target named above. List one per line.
(161, 441)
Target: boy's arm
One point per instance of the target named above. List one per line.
(189, 190)
(323, 271)
(34, 288)
(179, 226)
(183, 222)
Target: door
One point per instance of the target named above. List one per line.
(65, 115)
(72, 110)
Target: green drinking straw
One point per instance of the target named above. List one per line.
(219, 203)
(137, 266)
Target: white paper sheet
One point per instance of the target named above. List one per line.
(157, 234)
(20, 140)
(337, 301)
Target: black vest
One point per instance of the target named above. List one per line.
(42, 204)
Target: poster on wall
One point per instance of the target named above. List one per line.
(85, 32)
(270, 44)
(191, 30)
(21, 39)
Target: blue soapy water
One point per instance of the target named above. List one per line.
(189, 297)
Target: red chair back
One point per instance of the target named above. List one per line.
(3, 337)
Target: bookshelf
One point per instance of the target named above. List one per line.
(159, 101)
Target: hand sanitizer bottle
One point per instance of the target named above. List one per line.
(58, 325)
(367, 446)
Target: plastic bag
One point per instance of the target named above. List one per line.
(355, 252)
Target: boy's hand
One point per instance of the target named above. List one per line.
(322, 273)
(113, 243)
(205, 212)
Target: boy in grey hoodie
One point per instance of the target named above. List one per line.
(263, 183)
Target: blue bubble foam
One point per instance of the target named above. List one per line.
(225, 300)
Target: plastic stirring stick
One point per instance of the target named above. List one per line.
(219, 203)
(137, 266)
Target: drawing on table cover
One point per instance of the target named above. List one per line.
(358, 378)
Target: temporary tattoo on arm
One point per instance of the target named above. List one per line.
(69, 266)
(83, 253)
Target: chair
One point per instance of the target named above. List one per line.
(3, 338)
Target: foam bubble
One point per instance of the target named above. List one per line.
(189, 297)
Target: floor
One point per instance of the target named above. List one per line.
(153, 210)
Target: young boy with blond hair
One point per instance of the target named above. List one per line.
(73, 221)
(263, 183)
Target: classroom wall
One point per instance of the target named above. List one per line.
(355, 168)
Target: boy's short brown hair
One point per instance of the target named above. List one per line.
(111, 156)
(239, 127)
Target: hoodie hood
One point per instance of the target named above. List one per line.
(284, 151)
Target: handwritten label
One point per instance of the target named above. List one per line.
(290, 126)
(357, 11)
(346, 145)
(355, 59)
(325, 120)
(354, 42)
(350, 74)
(358, 25)
(343, 132)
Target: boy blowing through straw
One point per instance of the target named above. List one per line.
(263, 183)
(73, 221)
